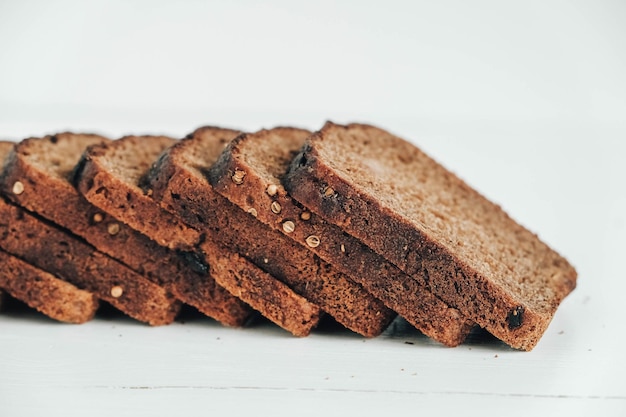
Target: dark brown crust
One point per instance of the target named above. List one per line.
(47, 294)
(57, 252)
(290, 311)
(397, 290)
(56, 199)
(448, 277)
(202, 208)
(128, 201)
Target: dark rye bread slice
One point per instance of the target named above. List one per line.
(179, 183)
(56, 251)
(466, 249)
(44, 166)
(108, 176)
(114, 171)
(273, 299)
(262, 159)
(44, 292)
(40, 290)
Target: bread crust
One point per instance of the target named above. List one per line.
(178, 183)
(51, 194)
(366, 215)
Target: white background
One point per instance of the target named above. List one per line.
(526, 101)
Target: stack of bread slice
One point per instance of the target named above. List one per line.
(28, 236)
(349, 221)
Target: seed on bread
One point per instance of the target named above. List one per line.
(271, 190)
(238, 176)
(306, 215)
(276, 208)
(252, 211)
(97, 218)
(113, 228)
(313, 241)
(328, 192)
(117, 291)
(289, 226)
(18, 188)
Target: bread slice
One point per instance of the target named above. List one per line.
(58, 252)
(110, 175)
(45, 165)
(44, 292)
(263, 159)
(467, 250)
(273, 299)
(179, 183)
(40, 290)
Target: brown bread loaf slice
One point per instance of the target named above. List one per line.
(40, 290)
(275, 300)
(411, 210)
(44, 292)
(263, 159)
(45, 165)
(109, 176)
(178, 182)
(56, 251)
